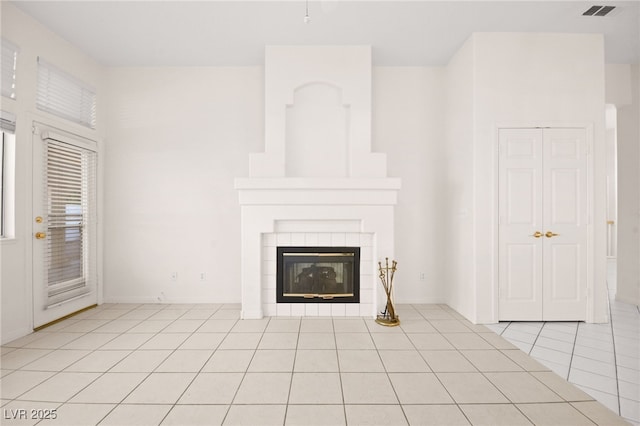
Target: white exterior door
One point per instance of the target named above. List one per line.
(542, 231)
(64, 224)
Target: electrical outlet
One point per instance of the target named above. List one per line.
(203, 276)
(174, 276)
(421, 276)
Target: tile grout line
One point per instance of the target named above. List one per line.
(100, 375)
(573, 349)
(335, 341)
(176, 349)
(596, 359)
(533, 345)
(563, 400)
(293, 369)
(438, 378)
(152, 371)
(515, 404)
(244, 374)
(512, 403)
(517, 340)
(615, 356)
(167, 357)
(56, 373)
(395, 392)
(116, 405)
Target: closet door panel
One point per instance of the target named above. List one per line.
(565, 224)
(520, 251)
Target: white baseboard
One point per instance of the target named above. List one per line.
(152, 300)
(15, 334)
(246, 314)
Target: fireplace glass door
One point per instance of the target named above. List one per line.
(318, 274)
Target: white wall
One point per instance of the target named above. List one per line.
(617, 95)
(179, 136)
(456, 209)
(611, 124)
(33, 40)
(408, 127)
(177, 139)
(618, 84)
(628, 273)
(530, 80)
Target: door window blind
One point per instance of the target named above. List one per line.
(62, 94)
(71, 200)
(9, 61)
(7, 122)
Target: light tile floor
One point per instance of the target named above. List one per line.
(601, 359)
(200, 364)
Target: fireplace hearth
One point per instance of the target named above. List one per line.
(318, 275)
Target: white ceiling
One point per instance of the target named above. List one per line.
(402, 33)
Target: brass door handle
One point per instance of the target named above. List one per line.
(537, 234)
(41, 235)
(550, 234)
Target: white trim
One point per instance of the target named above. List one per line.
(251, 314)
(591, 267)
(74, 140)
(40, 119)
(16, 334)
(80, 296)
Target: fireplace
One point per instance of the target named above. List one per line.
(318, 275)
(317, 101)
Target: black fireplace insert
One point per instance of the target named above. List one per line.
(318, 275)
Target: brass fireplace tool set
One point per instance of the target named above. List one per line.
(388, 317)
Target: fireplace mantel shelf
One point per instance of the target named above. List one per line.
(317, 191)
(343, 183)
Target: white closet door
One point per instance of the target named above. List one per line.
(520, 206)
(565, 214)
(543, 233)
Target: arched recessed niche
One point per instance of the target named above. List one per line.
(317, 132)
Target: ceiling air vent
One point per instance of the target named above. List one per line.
(598, 10)
(605, 10)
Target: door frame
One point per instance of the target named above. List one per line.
(591, 268)
(28, 124)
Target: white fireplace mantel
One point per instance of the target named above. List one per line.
(317, 191)
(311, 207)
(317, 182)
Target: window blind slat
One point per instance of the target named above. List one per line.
(70, 178)
(61, 94)
(8, 70)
